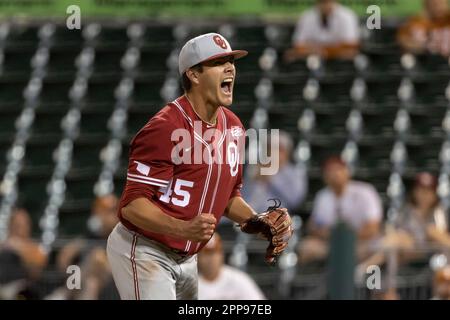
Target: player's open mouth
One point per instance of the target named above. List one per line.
(226, 85)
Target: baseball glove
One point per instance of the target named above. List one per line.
(274, 225)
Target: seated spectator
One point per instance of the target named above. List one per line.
(356, 203)
(386, 294)
(441, 284)
(22, 260)
(420, 223)
(289, 184)
(329, 30)
(423, 217)
(97, 280)
(428, 32)
(221, 282)
(19, 242)
(103, 217)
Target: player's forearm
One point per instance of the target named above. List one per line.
(147, 216)
(238, 210)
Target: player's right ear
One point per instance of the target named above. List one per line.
(193, 75)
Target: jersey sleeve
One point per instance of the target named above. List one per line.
(150, 165)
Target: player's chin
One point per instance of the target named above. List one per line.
(226, 100)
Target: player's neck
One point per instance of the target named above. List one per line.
(205, 111)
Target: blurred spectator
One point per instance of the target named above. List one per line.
(19, 243)
(22, 260)
(387, 294)
(289, 184)
(89, 253)
(329, 30)
(356, 203)
(423, 217)
(421, 222)
(428, 32)
(441, 284)
(221, 282)
(104, 217)
(95, 280)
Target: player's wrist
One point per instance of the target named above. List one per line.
(179, 228)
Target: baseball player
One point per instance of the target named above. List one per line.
(184, 173)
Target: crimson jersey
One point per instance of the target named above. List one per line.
(185, 166)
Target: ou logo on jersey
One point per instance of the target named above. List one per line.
(233, 158)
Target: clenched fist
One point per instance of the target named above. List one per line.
(201, 228)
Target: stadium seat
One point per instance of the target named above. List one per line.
(94, 122)
(383, 63)
(147, 94)
(105, 37)
(100, 93)
(379, 39)
(47, 124)
(16, 63)
(153, 62)
(247, 35)
(11, 92)
(33, 194)
(86, 155)
(21, 36)
(62, 63)
(55, 94)
(158, 35)
(39, 156)
(8, 118)
(429, 65)
(138, 118)
(64, 39)
(105, 59)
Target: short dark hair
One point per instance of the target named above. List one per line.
(185, 82)
(333, 159)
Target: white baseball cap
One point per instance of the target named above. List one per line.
(203, 48)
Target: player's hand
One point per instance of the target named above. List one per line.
(201, 228)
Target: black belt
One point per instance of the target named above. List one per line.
(180, 252)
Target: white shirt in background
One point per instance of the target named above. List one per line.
(343, 27)
(231, 284)
(359, 204)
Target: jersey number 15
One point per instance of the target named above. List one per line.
(177, 195)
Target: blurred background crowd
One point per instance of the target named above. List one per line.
(364, 150)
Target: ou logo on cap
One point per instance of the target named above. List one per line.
(220, 42)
